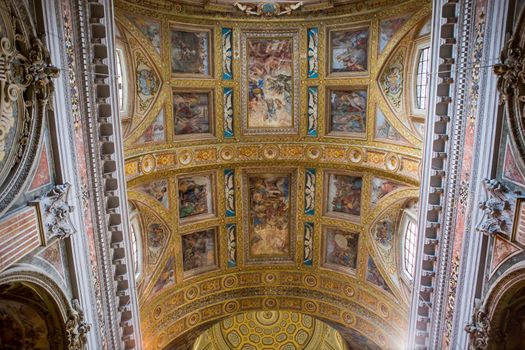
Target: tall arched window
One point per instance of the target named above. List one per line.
(409, 236)
(135, 230)
(122, 83)
(422, 77)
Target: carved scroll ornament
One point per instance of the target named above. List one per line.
(55, 213)
(26, 84)
(498, 208)
(76, 327)
(478, 329)
(267, 9)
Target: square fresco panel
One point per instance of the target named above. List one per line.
(348, 51)
(190, 52)
(340, 249)
(196, 196)
(199, 251)
(269, 215)
(347, 112)
(343, 197)
(192, 112)
(270, 82)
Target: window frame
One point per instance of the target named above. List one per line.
(120, 55)
(420, 44)
(137, 255)
(408, 217)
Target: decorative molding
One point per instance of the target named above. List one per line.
(308, 243)
(231, 237)
(267, 9)
(26, 84)
(76, 327)
(54, 211)
(510, 84)
(498, 207)
(479, 328)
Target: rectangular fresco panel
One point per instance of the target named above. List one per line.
(340, 249)
(343, 195)
(269, 214)
(347, 112)
(199, 251)
(193, 112)
(348, 51)
(270, 82)
(196, 196)
(190, 52)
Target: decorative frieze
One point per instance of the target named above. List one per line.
(267, 9)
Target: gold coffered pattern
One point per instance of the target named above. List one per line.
(268, 170)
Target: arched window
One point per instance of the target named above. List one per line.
(422, 77)
(122, 86)
(134, 248)
(409, 238)
(135, 230)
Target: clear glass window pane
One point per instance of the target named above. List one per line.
(120, 87)
(422, 78)
(134, 249)
(410, 248)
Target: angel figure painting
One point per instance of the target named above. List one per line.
(340, 249)
(349, 51)
(199, 251)
(347, 112)
(344, 195)
(195, 196)
(192, 112)
(190, 52)
(270, 83)
(269, 214)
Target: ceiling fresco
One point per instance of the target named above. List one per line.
(270, 161)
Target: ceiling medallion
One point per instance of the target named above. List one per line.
(355, 155)
(267, 9)
(392, 162)
(313, 152)
(227, 153)
(270, 152)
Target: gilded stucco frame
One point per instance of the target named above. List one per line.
(200, 270)
(327, 173)
(326, 265)
(213, 189)
(294, 35)
(328, 111)
(337, 28)
(185, 27)
(211, 115)
(293, 191)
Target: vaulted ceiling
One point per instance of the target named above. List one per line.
(268, 163)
